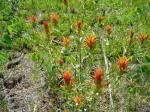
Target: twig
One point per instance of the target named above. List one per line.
(14, 62)
(107, 64)
(122, 99)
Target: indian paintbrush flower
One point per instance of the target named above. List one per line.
(122, 63)
(100, 19)
(77, 100)
(109, 28)
(54, 18)
(98, 74)
(143, 37)
(66, 41)
(61, 62)
(66, 2)
(45, 24)
(79, 25)
(98, 78)
(33, 19)
(67, 77)
(90, 41)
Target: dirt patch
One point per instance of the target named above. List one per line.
(25, 86)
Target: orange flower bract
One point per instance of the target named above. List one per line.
(66, 41)
(109, 28)
(143, 37)
(33, 19)
(54, 18)
(45, 24)
(100, 19)
(67, 77)
(98, 74)
(79, 25)
(98, 78)
(90, 41)
(61, 62)
(122, 63)
(77, 100)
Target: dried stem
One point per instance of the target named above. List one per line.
(80, 56)
(107, 65)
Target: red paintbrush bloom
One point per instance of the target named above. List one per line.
(109, 29)
(98, 74)
(61, 62)
(66, 2)
(54, 18)
(33, 19)
(122, 63)
(143, 37)
(98, 78)
(67, 77)
(45, 24)
(100, 19)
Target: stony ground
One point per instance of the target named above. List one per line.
(24, 87)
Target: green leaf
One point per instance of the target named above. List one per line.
(7, 39)
(10, 29)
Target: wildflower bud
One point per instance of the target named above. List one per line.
(100, 19)
(66, 2)
(109, 29)
(33, 19)
(98, 74)
(143, 37)
(122, 63)
(77, 100)
(66, 41)
(98, 78)
(67, 77)
(61, 62)
(79, 25)
(90, 41)
(54, 18)
(45, 24)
